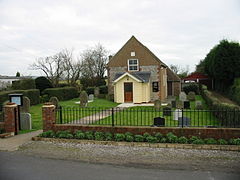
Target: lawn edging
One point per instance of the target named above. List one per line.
(143, 144)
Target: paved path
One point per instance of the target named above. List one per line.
(13, 143)
(17, 166)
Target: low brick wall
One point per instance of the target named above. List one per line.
(217, 133)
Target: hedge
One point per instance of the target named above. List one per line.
(103, 89)
(32, 94)
(24, 84)
(64, 93)
(224, 112)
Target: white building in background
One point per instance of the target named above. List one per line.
(6, 81)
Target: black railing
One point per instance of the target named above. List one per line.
(148, 116)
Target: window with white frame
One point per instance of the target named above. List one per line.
(133, 65)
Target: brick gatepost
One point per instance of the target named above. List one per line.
(48, 116)
(11, 119)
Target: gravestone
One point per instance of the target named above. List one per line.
(182, 96)
(157, 104)
(167, 111)
(90, 97)
(184, 121)
(177, 114)
(158, 121)
(54, 100)
(96, 91)
(191, 96)
(83, 99)
(198, 105)
(186, 105)
(174, 104)
(26, 121)
(25, 108)
(179, 104)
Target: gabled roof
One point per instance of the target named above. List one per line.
(141, 76)
(133, 38)
(195, 76)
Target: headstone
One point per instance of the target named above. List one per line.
(177, 114)
(157, 104)
(83, 99)
(26, 105)
(191, 96)
(184, 121)
(54, 101)
(198, 105)
(186, 105)
(174, 104)
(158, 121)
(96, 91)
(90, 97)
(26, 121)
(182, 96)
(167, 111)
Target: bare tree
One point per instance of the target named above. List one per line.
(175, 68)
(180, 71)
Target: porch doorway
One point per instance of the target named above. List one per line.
(128, 92)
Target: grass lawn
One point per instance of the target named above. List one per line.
(36, 110)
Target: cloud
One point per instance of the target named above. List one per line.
(177, 31)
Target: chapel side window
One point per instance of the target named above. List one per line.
(155, 87)
(133, 65)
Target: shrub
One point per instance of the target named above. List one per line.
(222, 142)
(171, 138)
(42, 83)
(108, 136)
(163, 140)
(193, 138)
(129, 138)
(152, 139)
(99, 136)
(64, 134)
(182, 140)
(138, 138)
(234, 141)
(89, 135)
(159, 136)
(198, 141)
(128, 134)
(191, 96)
(24, 84)
(90, 90)
(64, 93)
(79, 135)
(191, 87)
(44, 98)
(210, 141)
(103, 89)
(119, 137)
(145, 135)
(47, 134)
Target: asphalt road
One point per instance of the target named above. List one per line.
(16, 166)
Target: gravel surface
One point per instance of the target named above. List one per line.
(164, 158)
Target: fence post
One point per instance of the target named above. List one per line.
(182, 117)
(60, 110)
(112, 117)
(48, 116)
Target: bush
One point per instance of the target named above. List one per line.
(191, 96)
(198, 141)
(159, 136)
(152, 139)
(64, 134)
(129, 138)
(47, 134)
(89, 135)
(210, 141)
(119, 137)
(90, 90)
(193, 138)
(44, 98)
(24, 84)
(191, 87)
(103, 89)
(99, 136)
(42, 83)
(139, 138)
(234, 141)
(32, 94)
(222, 142)
(163, 140)
(171, 138)
(64, 93)
(79, 135)
(145, 135)
(108, 136)
(182, 140)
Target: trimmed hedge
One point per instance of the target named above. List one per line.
(103, 89)
(224, 112)
(24, 84)
(191, 87)
(90, 90)
(129, 137)
(64, 93)
(32, 94)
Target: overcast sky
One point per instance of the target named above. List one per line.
(177, 31)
